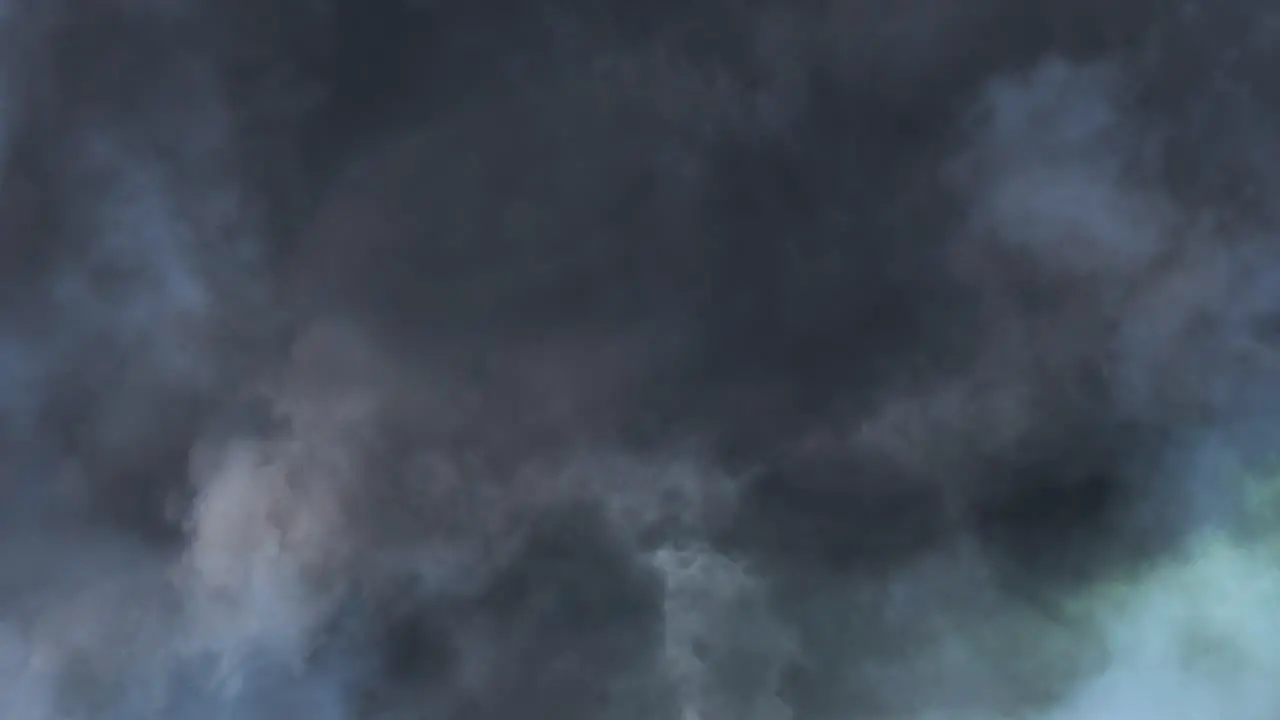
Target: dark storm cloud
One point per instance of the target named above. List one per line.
(582, 360)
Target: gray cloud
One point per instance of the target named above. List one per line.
(483, 360)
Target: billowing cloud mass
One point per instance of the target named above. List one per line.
(638, 361)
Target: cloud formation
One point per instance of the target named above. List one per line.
(373, 361)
